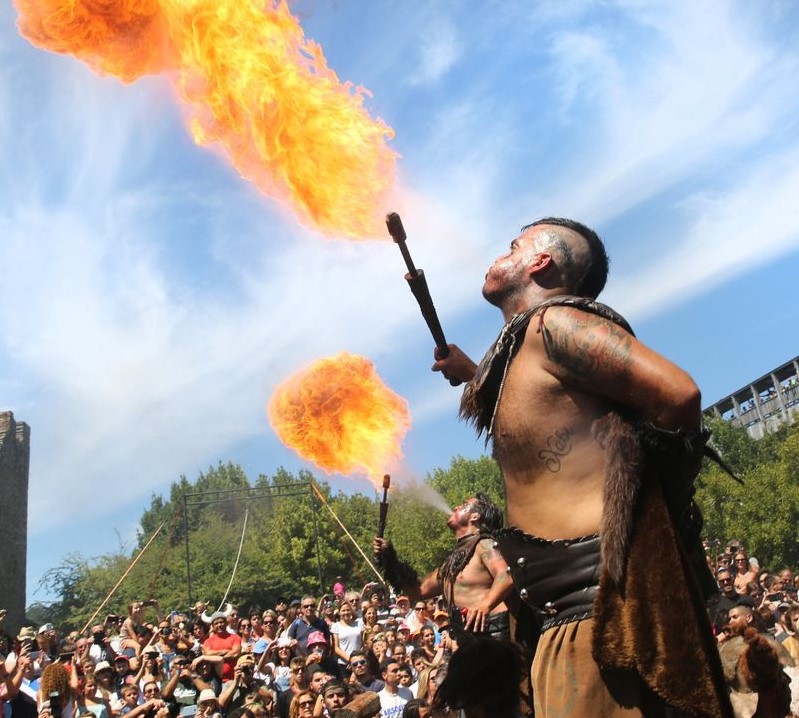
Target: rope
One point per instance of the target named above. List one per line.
(176, 518)
(238, 556)
(118, 583)
(349, 535)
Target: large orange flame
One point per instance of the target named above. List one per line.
(338, 414)
(254, 84)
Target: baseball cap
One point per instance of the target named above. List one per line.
(315, 638)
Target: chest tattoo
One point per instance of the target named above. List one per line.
(558, 445)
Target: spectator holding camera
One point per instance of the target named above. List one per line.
(182, 687)
(236, 692)
(166, 643)
(152, 668)
(207, 673)
(100, 648)
(55, 692)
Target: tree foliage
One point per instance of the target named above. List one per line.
(292, 543)
(763, 512)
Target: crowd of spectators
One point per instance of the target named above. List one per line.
(365, 651)
(300, 658)
(755, 618)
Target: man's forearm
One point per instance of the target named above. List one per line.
(227, 694)
(398, 573)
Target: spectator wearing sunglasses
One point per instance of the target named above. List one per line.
(362, 677)
(302, 705)
(306, 623)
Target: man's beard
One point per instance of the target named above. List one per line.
(501, 294)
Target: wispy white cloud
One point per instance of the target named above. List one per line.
(438, 51)
(159, 299)
(704, 88)
(723, 235)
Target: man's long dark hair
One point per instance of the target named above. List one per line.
(490, 522)
(490, 513)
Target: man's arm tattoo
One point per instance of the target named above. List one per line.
(588, 346)
(558, 444)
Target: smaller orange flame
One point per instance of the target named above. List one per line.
(338, 414)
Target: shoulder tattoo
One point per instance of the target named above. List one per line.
(589, 346)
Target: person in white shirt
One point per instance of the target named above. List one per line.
(393, 697)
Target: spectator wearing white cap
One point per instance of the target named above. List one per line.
(207, 703)
(47, 641)
(107, 688)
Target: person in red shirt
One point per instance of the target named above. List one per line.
(223, 643)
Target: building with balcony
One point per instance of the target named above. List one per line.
(764, 405)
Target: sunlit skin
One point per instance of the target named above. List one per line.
(334, 699)
(391, 676)
(480, 588)
(738, 621)
(305, 703)
(346, 616)
(594, 366)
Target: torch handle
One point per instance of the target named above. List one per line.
(418, 285)
(381, 523)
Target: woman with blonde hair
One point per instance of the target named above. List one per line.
(89, 703)
(426, 686)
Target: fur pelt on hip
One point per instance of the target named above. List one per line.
(654, 621)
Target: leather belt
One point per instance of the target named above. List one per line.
(558, 580)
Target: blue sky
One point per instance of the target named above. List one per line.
(152, 299)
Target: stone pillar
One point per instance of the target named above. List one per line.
(756, 399)
(14, 464)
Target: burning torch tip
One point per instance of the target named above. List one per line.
(395, 228)
(386, 481)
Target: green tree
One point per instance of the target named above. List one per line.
(465, 477)
(764, 511)
(291, 539)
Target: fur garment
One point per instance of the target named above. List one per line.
(655, 622)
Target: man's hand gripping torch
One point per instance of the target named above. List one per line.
(418, 284)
